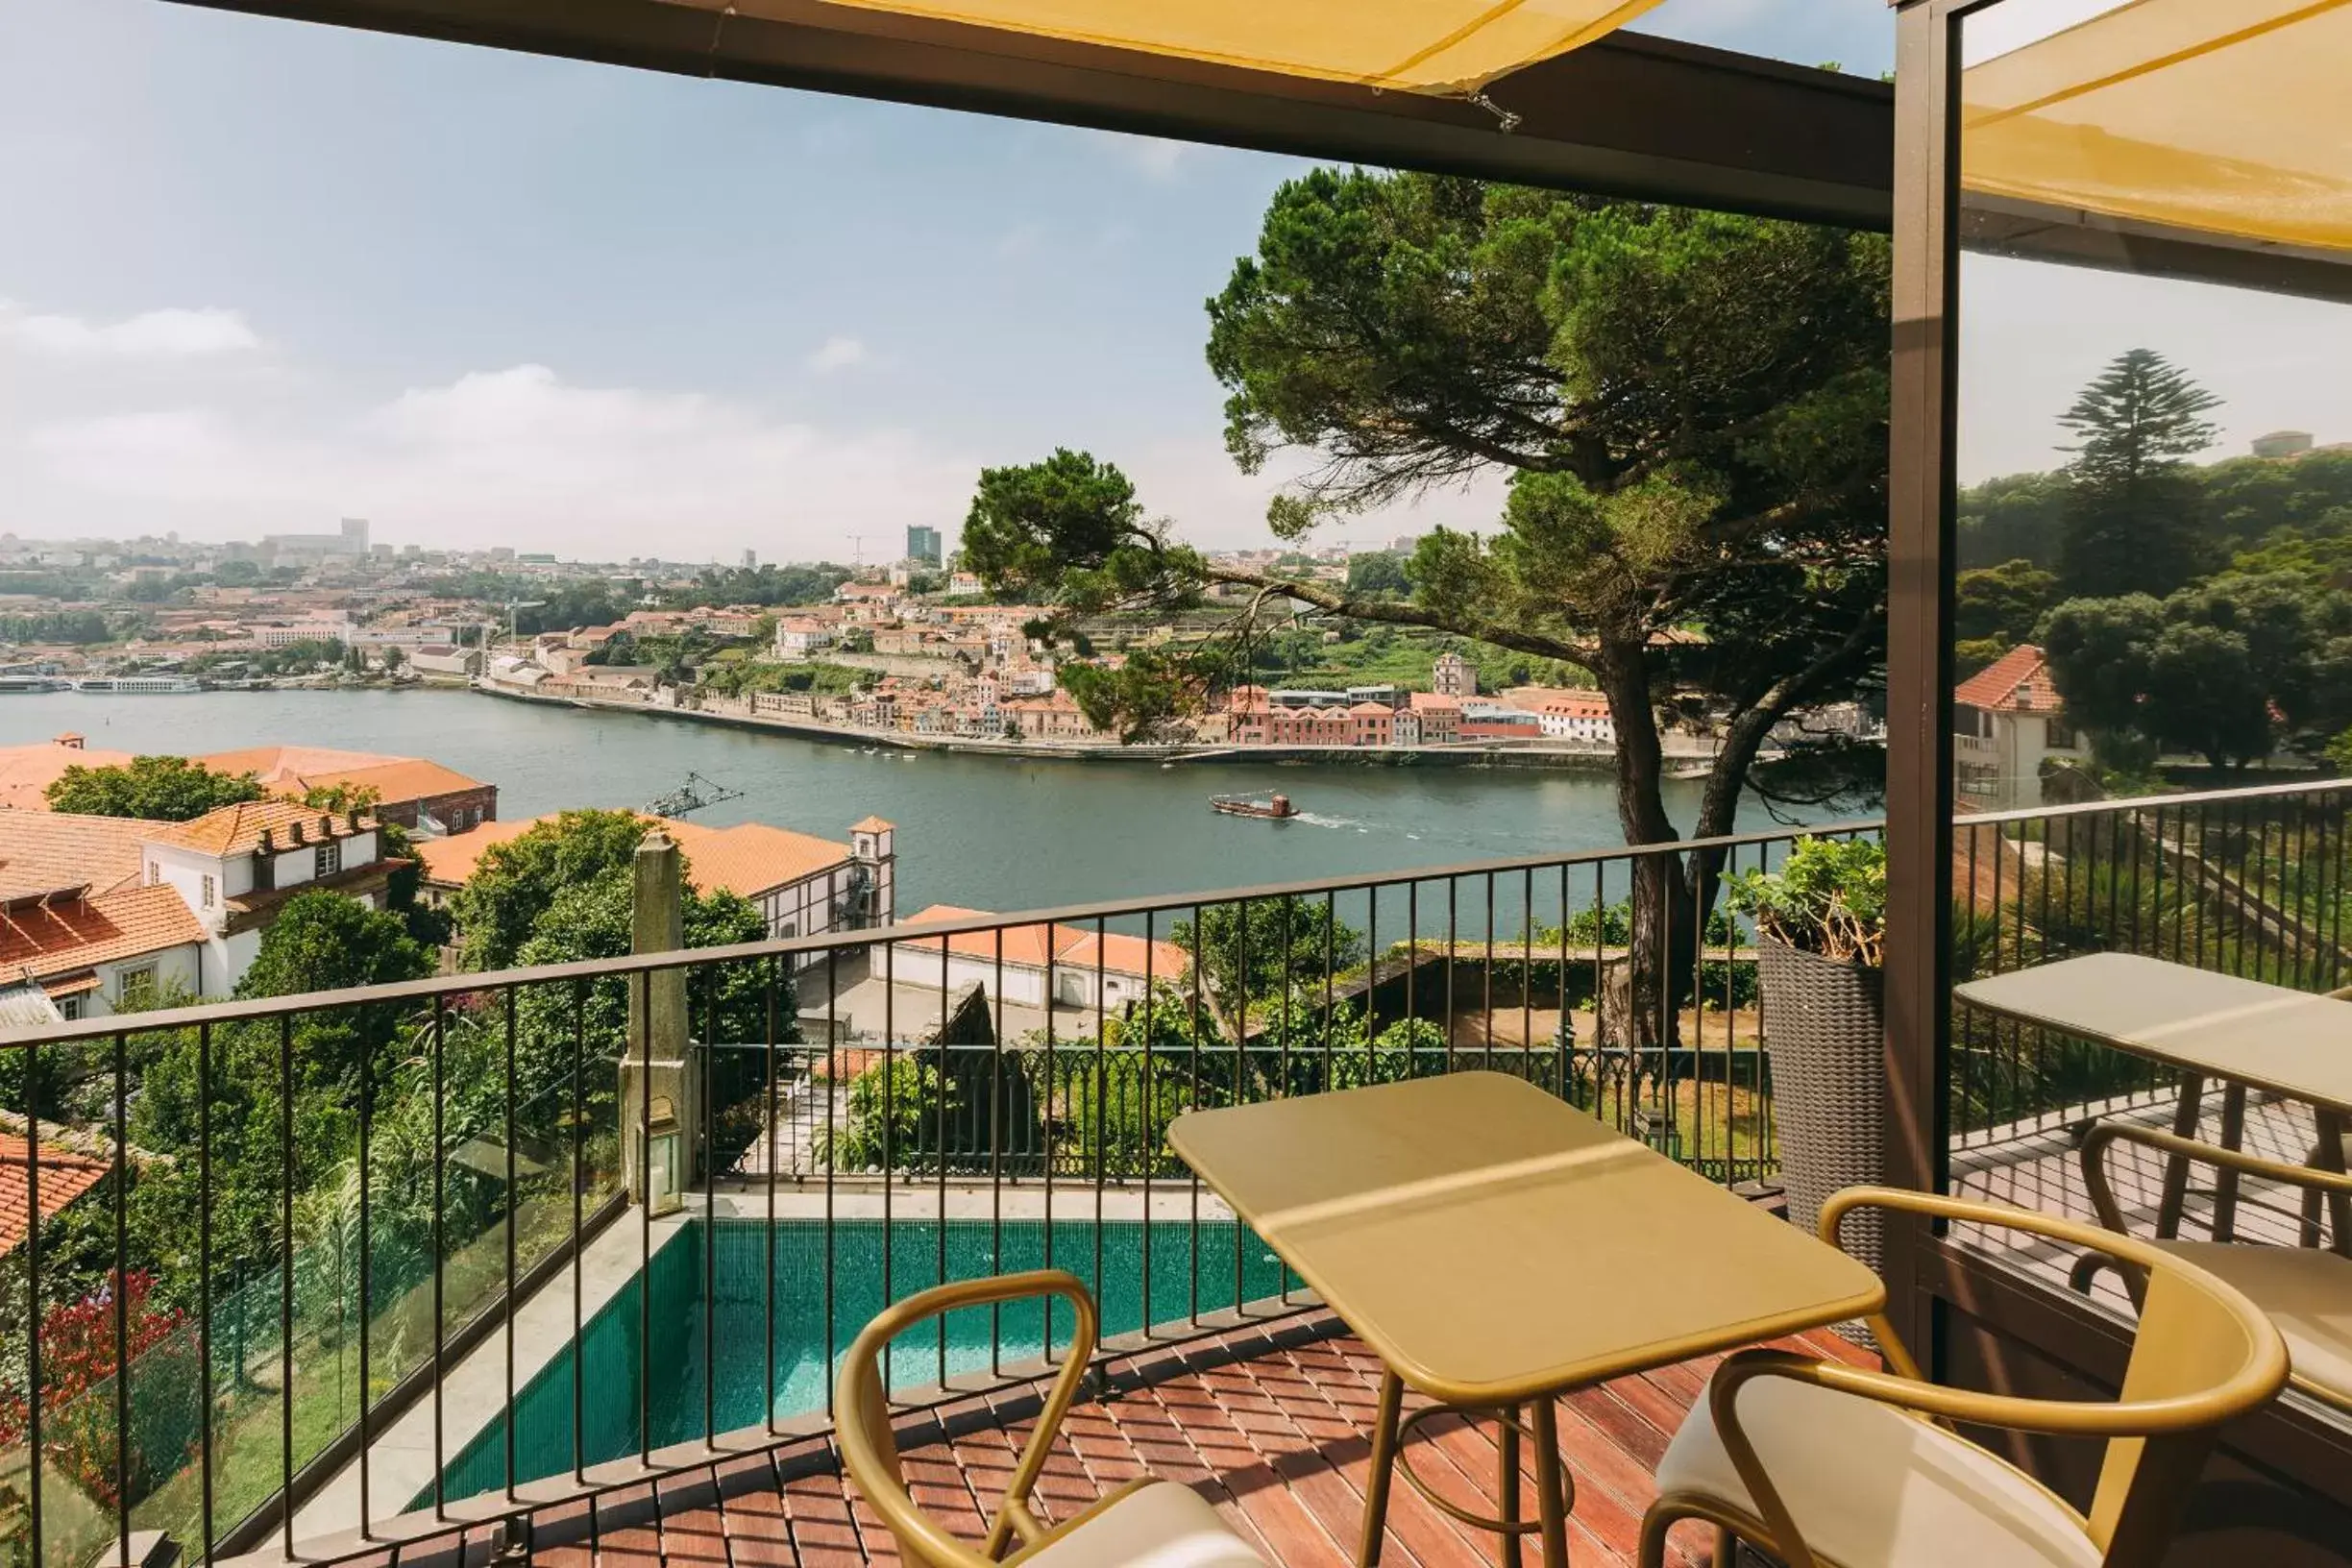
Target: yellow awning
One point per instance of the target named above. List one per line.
(1412, 45)
(2222, 116)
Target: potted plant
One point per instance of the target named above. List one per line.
(1821, 943)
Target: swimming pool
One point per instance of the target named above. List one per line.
(734, 1254)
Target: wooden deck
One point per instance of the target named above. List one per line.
(1268, 1423)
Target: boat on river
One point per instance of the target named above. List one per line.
(1274, 807)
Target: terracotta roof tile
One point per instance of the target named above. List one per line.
(749, 857)
(43, 852)
(65, 1174)
(1073, 947)
(237, 830)
(59, 936)
(2019, 681)
(293, 770)
(26, 772)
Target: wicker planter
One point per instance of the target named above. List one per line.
(1824, 1025)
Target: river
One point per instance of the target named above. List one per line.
(980, 831)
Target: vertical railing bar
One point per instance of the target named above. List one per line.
(1527, 971)
(1241, 989)
(367, 1270)
(1486, 984)
(1601, 1021)
(946, 1077)
(643, 1044)
(203, 1278)
(514, 1223)
(1052, 1071)
(440, 1251)
(833, 1091)
(1563, 1034)
(710, 1194)
(285, 1282)
(1102, 1093)
(1331, 963)
(1413, 946)
(996, 1163)
(769, 1156)
(1283, 1089)
(580, 1178)
(1148, 1118)
(1453, 943)
(122, 1299)
(33, 1301)
(1372, 977)
(890, 1118)
(1193, 1249)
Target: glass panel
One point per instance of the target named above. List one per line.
(2154, 544)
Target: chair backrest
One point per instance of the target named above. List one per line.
(869, 1448)
(2193, 1343)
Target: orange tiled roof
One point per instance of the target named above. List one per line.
(42, 851)
(60, 935)
(65, 1174)
(2019, 681)
(26, 772)
(748, 859)
(292, 770)
(1071, 946)
(237, 830)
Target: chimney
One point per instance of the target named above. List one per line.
(71, 741)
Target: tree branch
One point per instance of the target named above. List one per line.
(1404, 613)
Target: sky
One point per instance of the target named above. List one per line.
(255, 275)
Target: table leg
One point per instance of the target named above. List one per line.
(1507, 1480)
(2330, 1156)
(1384, 1468)
(2176, 1165)
(1551, 1484)
(2225, 1180)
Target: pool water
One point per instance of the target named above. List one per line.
(733, 1254)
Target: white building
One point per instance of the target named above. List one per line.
(1100, 973)
(116, 911)
(2008, 720)
(1565, 713)
(798, 636)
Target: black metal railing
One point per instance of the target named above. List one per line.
(2249, 882)
(354, 1261)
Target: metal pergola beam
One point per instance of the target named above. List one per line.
(1629, 116)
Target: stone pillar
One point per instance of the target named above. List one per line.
(658, 1063)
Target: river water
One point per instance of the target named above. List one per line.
(981, 831)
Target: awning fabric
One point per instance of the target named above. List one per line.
(2222, 116)
(1412, 45)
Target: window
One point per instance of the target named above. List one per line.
(69, 1008)
(155, 872)
(210, 892)
(327, 859)
(134, 988)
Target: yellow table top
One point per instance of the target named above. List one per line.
(1493, 1243)
(2263, 1036)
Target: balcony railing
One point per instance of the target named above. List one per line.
(358, 1264)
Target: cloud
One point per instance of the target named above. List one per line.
(1148, 155)
(837, 354)
(173, 334)
(517, 456)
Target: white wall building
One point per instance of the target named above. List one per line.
(2008, 722)
(1099, 973)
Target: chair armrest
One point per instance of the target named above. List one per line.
(2099, 1135)
(862, 1426)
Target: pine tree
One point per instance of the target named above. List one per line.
(2134, 516)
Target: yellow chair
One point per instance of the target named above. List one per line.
(1826, 1465)
(1145, 1521)
(2307, 1291)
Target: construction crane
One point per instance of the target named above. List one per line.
(695, 792)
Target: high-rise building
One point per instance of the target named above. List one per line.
(923, 544)
(750, 560)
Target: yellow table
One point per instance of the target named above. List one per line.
(1497, 1247)
(2212, 1028)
